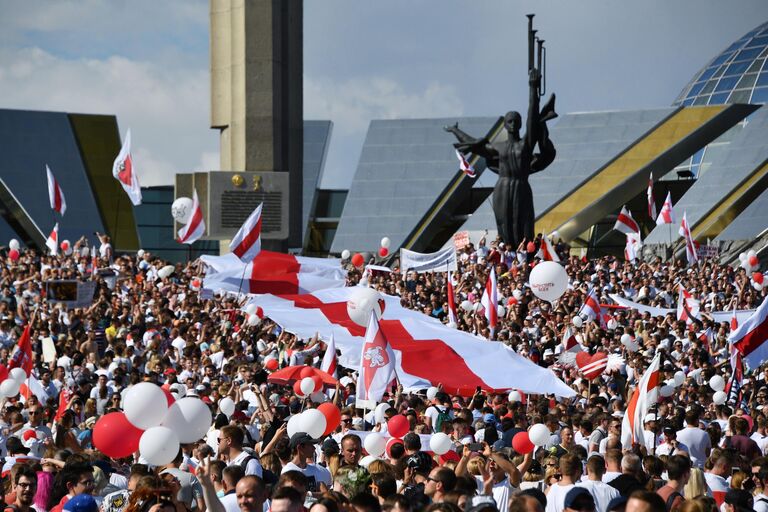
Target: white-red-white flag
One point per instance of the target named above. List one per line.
(751, 336)
(667, 214)
(570, 343)
(246, 244)
(52, 242)
(465, 166)
(490, 301)
(632, 248)
(706, 337)
(687, 307)
(377, 366)
(546, 252)
(195, 227)
(55, 195)
(453, 318)
(625, 223)
(734, 320)
(125, 173)
(590, 309)
(32, 386)
(651, 199)
(330, 361)
(690, 245)
(640, 403)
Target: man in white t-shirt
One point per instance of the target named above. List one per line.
(303, 448)
(570, 469)
(230, 443)
(440, 405)
(600, 491)
(695, 439)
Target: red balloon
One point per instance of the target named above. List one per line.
(383, 251)
(511, 301)
(306, 372)
(390, 443)
(297, 389)
(13, 254)
(332, 416)
(64, 245)
(114, 436)
(522, 443)
(357, 260)
(398, 425)
(757, 277)
(753, 261)
(271, 364)
(168, 396)
(3, 372)
(318, 383)
(530, 247)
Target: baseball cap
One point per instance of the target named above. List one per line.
(81, 503)
(649, 417)
(578, 498)
(330, 446)
(302, 438)
(482, 502)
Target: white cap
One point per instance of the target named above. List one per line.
(649, 417)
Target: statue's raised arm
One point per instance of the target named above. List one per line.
(468, 144)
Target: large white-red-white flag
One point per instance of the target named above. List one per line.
(453, 318)
(52, 242)
(632, 247)
(195, 227)
(643, 398)
(625, 223)
(272, 272)
(690, 245)
(490, 301)
(330, 361)
(667, 214)
(465, 166)
(651, 199)
(377, 366)
(55, 195)
(546, 252)
(750, 337)
(246, 244)
(125, 173)
(590, 309)
(687, 307)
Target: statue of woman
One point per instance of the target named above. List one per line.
(514, 160)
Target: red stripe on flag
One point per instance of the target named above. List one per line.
(753, 339)
(247, 242)
(197, 218)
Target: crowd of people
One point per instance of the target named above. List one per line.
(699, 456)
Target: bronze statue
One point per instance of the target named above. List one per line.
(514, 159)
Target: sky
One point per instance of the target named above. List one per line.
(147, 63)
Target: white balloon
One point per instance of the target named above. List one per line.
(140, 253)
(178, 391)
(166, 271)
(626, 338)
(318, 397)
(14, 244)
(181, 210)
(85, 252)
(361, 303)
(386, 242)
(366, 461)
(500, 311)
(440, 443)
(717, 383)
(66, 246)
(307, 386)
(577, 321)
(611, 324)
(18, 374)
(548, 280)
(250, 309)
(743, 257)
(294, 423)
(432, 392)
(9, 388)
(466, 306)
(378, 413)
(253, 320)
(751, 253)
(145, 405)
(666, 390)
(629, 342)
(539, 433)
(227, 406)
(345, 254)
(375, 444)
(514, 396)
(757, 286)
(190, 418)
(679, 378)
(159, 445)
(312, 422)
(517, 294)
(719, 398)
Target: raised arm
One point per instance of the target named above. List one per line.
(532, 122)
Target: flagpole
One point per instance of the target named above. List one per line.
(658, 395)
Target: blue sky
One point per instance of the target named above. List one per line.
(147, 62)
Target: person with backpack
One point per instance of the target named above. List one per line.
(678, 473)
(231, 440)
(439, 412)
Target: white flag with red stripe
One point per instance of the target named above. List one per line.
(377, 366)
(246, 244)
(465, 166)
(651, 199)
(546, 252)
(632, 248)
(643, 398)
(751, 336)
(32, 386)
(625, 223)
(55, 195)
(453, 318)
(706, 337)
(667, 214)
(590, 309)
(734, 319)
(195, 227)
(125, 173)
(272, 272)
(490, 301)
(330, 361)
(570, 343)
(52, 242)
(687, 307)
(690, 245)
(427, 351)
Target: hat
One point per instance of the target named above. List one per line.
(649, 418)
(199, 388)
(81, 503)
(239, 416)
(330, 447)
(301, 438)
(169, 371)
(580, 495)
(489, 419)
(482, 502)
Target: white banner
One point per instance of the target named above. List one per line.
(717, 316)
(440, 261)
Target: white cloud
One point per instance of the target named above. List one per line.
(165, 105)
